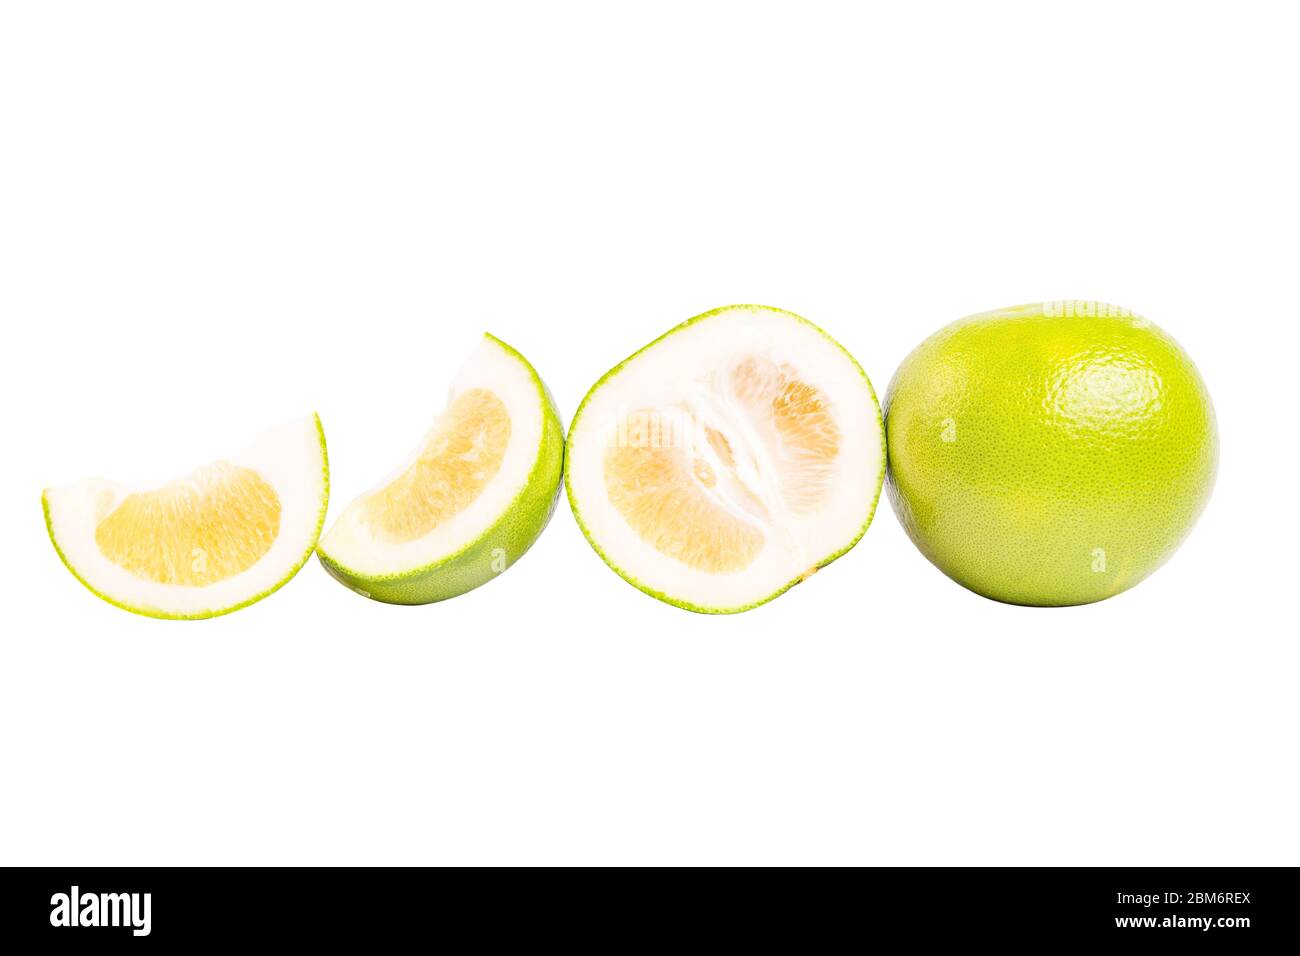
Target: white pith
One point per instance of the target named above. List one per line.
(289, 457)
(676, 372)
(350, 543)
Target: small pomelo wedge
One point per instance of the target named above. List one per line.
(469, 501)
(727, 460)
(211, 542)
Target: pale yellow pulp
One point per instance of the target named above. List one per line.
(196, 530)
(678, 480)
(458, 461)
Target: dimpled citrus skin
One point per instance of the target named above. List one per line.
(1049, 454)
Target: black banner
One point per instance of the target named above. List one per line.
(1229, 909)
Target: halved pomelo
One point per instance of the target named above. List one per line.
(727, 460)
(218, 539)
(471, 498)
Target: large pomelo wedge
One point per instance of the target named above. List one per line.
(218, 539)
(469, 501)
(727, 460)
(1050, 454)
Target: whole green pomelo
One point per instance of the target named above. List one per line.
(1049, 454)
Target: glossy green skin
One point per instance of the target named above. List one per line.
(1049, 459)
(499, 547)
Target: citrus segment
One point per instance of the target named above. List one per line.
(470, 500)
(197, 530)
(664, 494)
(218, 539)
(802, 434)
(457, 462)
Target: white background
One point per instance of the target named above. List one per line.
(214, 217)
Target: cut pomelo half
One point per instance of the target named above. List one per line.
(727, 460)
(469, 501)
(218, 539)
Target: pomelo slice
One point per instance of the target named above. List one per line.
(727, 460)
(469, 501)
(211, 542)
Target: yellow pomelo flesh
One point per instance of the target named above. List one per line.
(456, 464)
(668, 497)
(701, 508)
(196, 530)
(803, 435)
